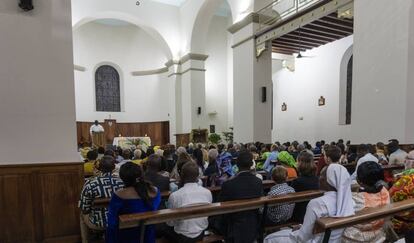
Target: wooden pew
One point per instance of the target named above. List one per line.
(166, 215)
(367, 215)
(104, 202)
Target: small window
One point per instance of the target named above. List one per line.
(107, 89)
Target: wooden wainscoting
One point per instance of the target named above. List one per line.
(39, 202)
(159, 132)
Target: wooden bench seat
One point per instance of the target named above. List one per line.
(367, 215)
(166, 215)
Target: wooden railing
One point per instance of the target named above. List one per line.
(366, 215)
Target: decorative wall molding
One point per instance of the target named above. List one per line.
(193, 56)
(150, 72)
(251, 18)
(79, 68)
(187, 70)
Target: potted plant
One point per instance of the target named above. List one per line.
(214, 138)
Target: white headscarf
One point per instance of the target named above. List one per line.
(338, 177)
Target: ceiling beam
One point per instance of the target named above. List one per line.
(282, 52)
(334, 27)
(303, 36)
(327, 30)
(289, 43)
(323, 33)
(288, 48)
(337, 22)
(300, 40)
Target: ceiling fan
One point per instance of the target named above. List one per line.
(300, 47)
(300, 38)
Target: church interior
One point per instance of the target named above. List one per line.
(235, 121)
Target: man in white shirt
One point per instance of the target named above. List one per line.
(365, 156)
(397, 155)
(96, 128)
(191, 194)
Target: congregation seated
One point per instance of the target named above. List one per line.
(153, 175)
(280, 213)
(238, 181)
(364, 156)
(402, 190)
(287, 161)
(397, 155)
(137, 157)
(137, 196)
(373, 194)
(271, 159)
(211, 172)
(90, 162)
(307, 180)
(241, 227)
(190, 194)
(101, 186)
(336, 202)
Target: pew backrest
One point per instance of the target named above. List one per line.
(366, 215)
(104, 202)
(166, 215)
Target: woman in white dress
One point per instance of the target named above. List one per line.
(336, 202)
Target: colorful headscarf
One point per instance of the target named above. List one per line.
(403, 189)
(224, 163)
(286, 159)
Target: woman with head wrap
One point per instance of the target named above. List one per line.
(370, 177)
(403, 189)
(336, 202)
(287, 161)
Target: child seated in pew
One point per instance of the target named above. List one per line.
(137, 196)
(370, 176)
(279, 213)
(336, 202)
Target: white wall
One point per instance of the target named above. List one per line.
(301, 89)
(382, 87)
(217, 78)
(128, 48)
(37, 103)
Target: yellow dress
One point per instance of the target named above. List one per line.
(88, 167)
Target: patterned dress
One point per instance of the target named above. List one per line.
(401, 190)
(283, 212)
(99, 187)
(367, 232)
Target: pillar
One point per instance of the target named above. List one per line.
(252, 117)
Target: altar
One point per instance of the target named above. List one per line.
(128, 142)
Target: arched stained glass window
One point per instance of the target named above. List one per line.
(107, 89)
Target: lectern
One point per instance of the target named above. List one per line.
(98, 139)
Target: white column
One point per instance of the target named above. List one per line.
(175, 116)
(193, 93)
(37, 101)
(252, 117)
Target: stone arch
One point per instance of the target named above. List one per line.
(201, 24)
(132, 20)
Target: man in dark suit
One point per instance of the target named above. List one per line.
(242, 227)
(152, 173)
